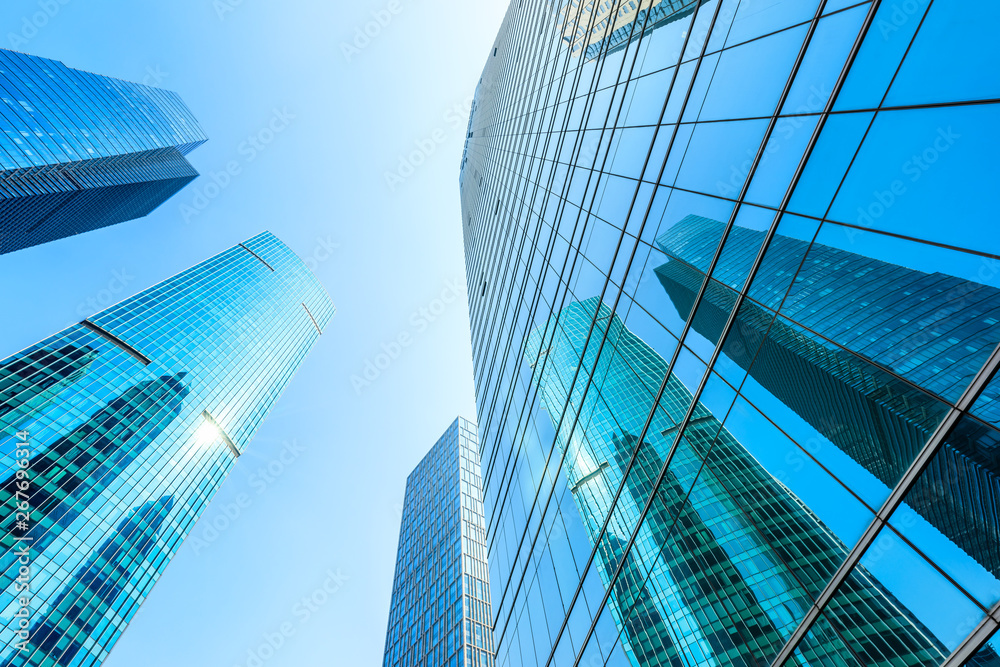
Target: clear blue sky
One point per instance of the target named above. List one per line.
(319, 183)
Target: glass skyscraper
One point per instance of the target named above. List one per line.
(440, 614)
(118, 431)
(735, 303)
(80, 151)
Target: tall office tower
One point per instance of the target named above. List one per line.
(440, 613)
(80, 151)
(735, 327)
(120, 429)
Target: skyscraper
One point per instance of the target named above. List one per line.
(735, 330)
(124, 427)
(80, 151)
(440, 611)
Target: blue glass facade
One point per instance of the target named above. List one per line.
(118, 431)
(80, 151)
(735, 307)
(440, 613)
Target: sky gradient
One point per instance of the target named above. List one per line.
(306, 122)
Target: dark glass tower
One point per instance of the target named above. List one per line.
(128, 423)
(735, 315)
(80, 151)
(441, 593)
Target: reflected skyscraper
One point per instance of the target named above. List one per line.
(80, 151)
(440, 609)
(771, 435)
(91, 599)
(586, 25)
(30, 379)
(70, 473)
(728, 556)
(847, 392)
(139, 413)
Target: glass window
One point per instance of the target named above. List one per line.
(828, 162)
(887, 40)
(908, 159)
(749, 78)
(933, 74)
(715, 151)
(895, 606)
(828, 50)
(951, 512)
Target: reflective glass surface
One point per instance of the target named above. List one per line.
(118, 431)
(733, 269)
(987, 656)
(440, 612)
(80, 151)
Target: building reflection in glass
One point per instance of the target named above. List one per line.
(89, 601)
(31, 378)
(76, 468)
(589, 27)
(867, 389)
(728, 559)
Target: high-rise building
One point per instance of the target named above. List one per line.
(118, 431)
(735, 315)
(440, 613)
(81, 151)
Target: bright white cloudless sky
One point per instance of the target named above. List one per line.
(336, 506)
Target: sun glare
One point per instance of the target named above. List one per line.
(206, 434)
